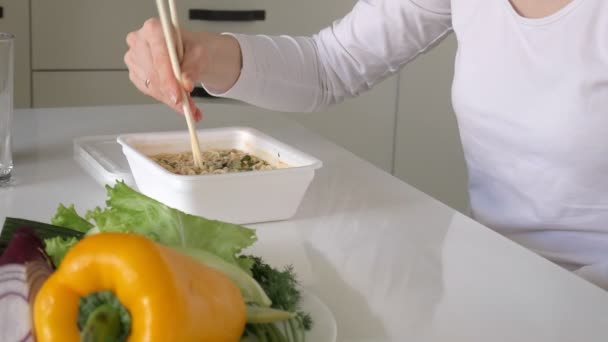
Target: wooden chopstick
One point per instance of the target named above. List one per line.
(178, 32)
(168, 29)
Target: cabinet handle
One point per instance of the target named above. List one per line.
(201, 92)
(1, 12)
(227, 15)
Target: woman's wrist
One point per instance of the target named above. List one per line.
(224, 62)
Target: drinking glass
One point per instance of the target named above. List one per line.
(6, 104)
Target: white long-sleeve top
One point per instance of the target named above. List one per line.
(530, 95)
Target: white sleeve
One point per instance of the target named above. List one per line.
(369, 44)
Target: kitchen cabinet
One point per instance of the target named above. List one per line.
(15, 20)
(88, 34)
(84, 34)
(83, 52)
(84, 88)
(428, 152)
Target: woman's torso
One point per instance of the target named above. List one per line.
(531, 97)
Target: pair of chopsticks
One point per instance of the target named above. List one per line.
(169, 29)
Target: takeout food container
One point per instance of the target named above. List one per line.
(242, 197)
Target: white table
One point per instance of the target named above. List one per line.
(392, 263)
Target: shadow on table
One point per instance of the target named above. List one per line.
(344, 189)
(355, 315)
(375, 246)
(383, 283)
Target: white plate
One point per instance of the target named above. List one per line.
(324, 328)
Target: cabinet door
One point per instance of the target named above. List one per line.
(84, 34)
(15, 20)
(88, 34)
(84, 88)
(292, 17)
(428, 151)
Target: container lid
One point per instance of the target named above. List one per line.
(102, 158)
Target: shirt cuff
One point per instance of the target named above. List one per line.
(247, 83)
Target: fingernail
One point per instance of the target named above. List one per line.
(174, 98)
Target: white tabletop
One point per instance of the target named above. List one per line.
(391, 263)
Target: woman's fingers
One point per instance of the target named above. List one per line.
(153, 91)
(159, 53)
(196, 112)
(187, 83)
(150, 68)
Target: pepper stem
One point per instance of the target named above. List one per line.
(103, 325)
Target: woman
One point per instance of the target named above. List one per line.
(530, 92)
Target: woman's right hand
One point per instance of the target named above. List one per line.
(210, 58)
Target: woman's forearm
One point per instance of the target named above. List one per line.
(278, 73)
(309, 73)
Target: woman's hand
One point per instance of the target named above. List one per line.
(210, 58)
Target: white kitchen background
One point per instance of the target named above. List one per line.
(69, 53)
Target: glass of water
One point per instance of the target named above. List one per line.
(6, 104)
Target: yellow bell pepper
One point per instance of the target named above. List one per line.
(169, 296)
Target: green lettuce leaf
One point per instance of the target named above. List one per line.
(58, 246)
(129, 211)
(69, 218)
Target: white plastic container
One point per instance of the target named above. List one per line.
(243, 197)
(102, 158)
